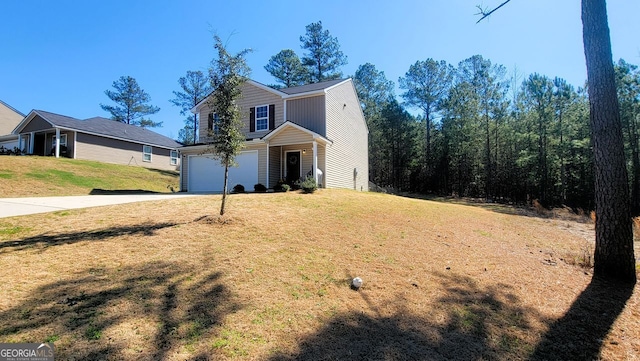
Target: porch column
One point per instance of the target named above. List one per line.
(20, 142)
(31, 141)
(315, 161)
(57, 142)
(268, 165)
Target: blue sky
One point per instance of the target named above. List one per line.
(60, 56)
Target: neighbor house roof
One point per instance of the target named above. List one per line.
(105, 127)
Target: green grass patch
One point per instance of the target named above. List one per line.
(93, 333)
(51, 339)
(49, 176)
(9, 230)
(65, 178)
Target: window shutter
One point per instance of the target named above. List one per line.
(272, 116)
(210, 122)
(252, 119)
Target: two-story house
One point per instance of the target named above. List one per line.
(315, 130)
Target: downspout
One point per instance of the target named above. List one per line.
(268, 160)
(315, 161)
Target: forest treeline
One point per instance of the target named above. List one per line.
(484, 133)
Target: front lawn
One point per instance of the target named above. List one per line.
(170, 280)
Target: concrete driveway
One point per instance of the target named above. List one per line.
(10, 207)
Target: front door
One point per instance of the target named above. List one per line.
(293, 166)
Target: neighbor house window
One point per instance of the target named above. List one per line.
(174, 157)
(212, 123)
(262, 118)
(146, 153)
(63, 140)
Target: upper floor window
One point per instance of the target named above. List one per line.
(262, 118)
(146, 153)
(212, 123)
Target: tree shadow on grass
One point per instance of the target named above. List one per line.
(57, 239)
(579, 334)
(470, 323)
(99, 191)
(148, 312)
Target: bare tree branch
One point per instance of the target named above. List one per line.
(486, 13)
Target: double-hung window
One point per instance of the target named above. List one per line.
(63, 140)
(174, 157)
(212, 123)
(262, 118)
(146, 153)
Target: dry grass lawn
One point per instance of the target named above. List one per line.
(171, 281)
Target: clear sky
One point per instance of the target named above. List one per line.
(60, 56)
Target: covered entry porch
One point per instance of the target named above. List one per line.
(295, 153)
(49, 142)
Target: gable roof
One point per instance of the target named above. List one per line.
(290, 124)
(297, 91)
(311, 87)
(103, 127)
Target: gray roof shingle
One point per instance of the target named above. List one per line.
(109, 128)
(311, 87)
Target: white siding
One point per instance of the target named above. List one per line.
(347, 128)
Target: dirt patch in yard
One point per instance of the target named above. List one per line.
(270, 281)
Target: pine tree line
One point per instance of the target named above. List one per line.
(482, 133)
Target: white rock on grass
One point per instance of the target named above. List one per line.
(356, 283)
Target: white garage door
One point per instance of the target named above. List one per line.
(207, 174)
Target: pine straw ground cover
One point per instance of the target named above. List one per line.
(270, 281)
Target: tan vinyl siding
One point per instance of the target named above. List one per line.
(275, 170)
(108, 150)
(262, 162)
(290, 135)
(9, 119)
(308, 113)
(252, 96)
(347, 129)
(184, 170)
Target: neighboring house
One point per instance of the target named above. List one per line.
(315, 130)
(96, 138)
(9, 119)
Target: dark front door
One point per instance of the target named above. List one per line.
(38, 144)
(293, 166)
